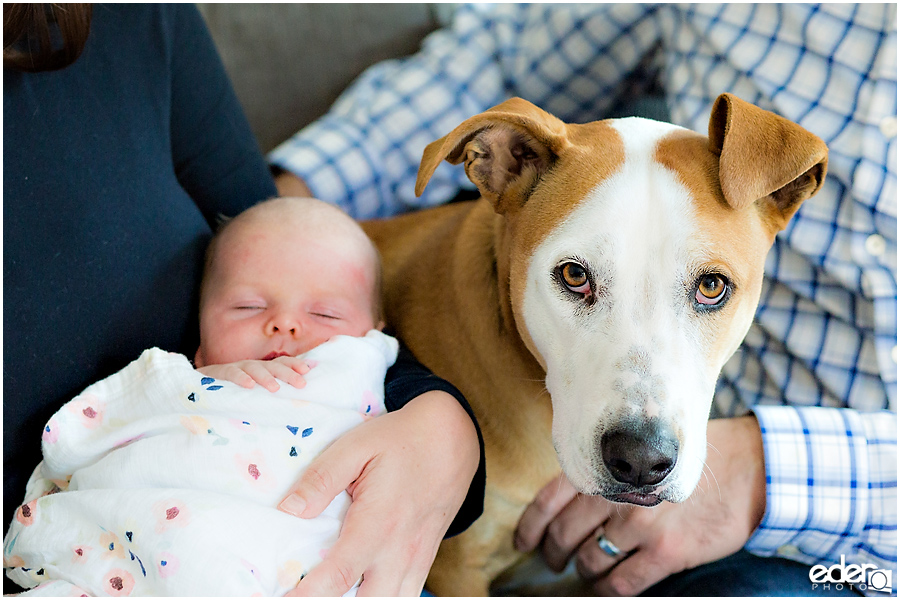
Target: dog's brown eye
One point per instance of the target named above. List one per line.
(711, 289)
(575, 278)
(574, 275)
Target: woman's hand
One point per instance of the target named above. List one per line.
(716, 521)
(408, 473)
(247, 373)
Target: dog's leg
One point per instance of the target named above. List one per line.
(459, 570)
(468, 563)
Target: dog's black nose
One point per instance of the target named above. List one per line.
(640, 452)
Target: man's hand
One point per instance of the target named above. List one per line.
(247, 373)
(716, 521)
(408, 473)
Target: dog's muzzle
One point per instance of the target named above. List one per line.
(639, 454)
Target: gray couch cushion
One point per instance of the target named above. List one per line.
(289, 62)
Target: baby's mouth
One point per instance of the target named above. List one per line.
(274, 355)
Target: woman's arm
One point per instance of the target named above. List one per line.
(214, 153)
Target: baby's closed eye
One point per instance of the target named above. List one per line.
(326, 315)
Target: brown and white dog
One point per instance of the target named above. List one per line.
(586, 303)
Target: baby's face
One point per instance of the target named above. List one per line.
(272, 292)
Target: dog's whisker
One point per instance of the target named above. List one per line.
(529, 379)
(709, 445)
(706, 466)
(718, 487)
(558, 485)
(691, 497)
(706, 479)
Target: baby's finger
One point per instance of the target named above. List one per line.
(238, 376)
(261, 374)
(296, 363)
(286, 372)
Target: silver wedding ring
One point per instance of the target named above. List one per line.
(608, 547)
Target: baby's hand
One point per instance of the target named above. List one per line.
(247, 373)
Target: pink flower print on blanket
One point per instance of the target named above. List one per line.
(118, 582)
(51, 432)
(25, 513)
(167, 564)
(369, 406)
(254, 469)
(170, 514)
(80, 554)
(88, 408)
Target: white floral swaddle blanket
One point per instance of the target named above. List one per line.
(162, 481)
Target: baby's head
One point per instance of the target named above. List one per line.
(283, 277)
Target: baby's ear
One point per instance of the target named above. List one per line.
(198, 360)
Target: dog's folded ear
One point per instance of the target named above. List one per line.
(505, 149)
(764, 156)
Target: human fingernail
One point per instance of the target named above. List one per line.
(293, 505)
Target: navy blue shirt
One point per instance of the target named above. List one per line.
(116, 170)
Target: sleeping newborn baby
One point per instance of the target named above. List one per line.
(164, 479)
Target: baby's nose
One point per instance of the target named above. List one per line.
(285, 325)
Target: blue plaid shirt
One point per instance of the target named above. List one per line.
(819, 366)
